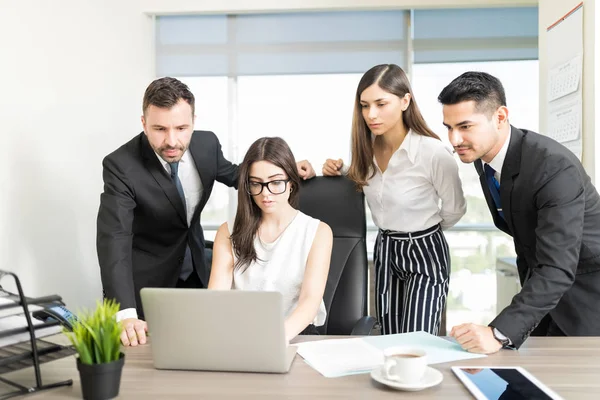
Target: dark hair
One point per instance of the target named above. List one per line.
(392, 79)
(247, 218)
(166, 92)
(482, 88)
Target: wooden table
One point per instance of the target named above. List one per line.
(570, 366)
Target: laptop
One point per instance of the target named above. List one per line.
(217, 330)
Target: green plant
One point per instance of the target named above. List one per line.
(96, 335)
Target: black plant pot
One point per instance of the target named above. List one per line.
(101, 381)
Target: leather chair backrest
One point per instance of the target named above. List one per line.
(335, 201)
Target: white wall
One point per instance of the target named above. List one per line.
(73, 75)
(549, 12)
(242, 6)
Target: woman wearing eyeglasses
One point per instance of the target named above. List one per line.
(271, 245)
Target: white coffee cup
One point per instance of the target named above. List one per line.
(404, 364)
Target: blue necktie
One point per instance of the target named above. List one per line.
(187, 267)
(494, 187)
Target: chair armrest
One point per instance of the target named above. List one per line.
(364, 326)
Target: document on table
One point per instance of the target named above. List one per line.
(339, 357)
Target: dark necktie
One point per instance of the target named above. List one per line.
(494, 187)
(175, 178)
(187, 267)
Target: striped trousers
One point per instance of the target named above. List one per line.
(412, 272)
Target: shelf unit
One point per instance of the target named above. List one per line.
(29, 353)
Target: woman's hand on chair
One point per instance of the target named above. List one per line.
(305, 170)
(333, 167)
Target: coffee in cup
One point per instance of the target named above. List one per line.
(404, 364)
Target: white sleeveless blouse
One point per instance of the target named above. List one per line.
(281, 264)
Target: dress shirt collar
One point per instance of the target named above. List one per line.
(410, 145)
(184, 159)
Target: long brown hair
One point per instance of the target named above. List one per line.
(247, 218)
(392, 79)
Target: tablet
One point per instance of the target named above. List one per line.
(503, 383)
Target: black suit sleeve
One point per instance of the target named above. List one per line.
(114, 236)
(560, 203)
(227, 173)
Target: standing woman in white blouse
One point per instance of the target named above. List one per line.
(411, 183)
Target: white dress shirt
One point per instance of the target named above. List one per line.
(190, 180)
(420, 175)
(192, 190)
(498, 161)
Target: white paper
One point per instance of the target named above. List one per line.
(5, 301)
(564, 100)
(340, 357)
(19, 321)
(564, 122)
(15, 310)
(564, 79)
(18, 310)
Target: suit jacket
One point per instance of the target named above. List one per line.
(142, 229)
(552, 211)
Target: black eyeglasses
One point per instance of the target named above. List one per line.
(275, 187)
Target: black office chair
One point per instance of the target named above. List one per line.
(335, 201)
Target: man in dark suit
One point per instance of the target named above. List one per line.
(155, 187)
(539, 193)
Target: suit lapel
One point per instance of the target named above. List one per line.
(486, 193)
(510, 169)
(498, 220)
(160, 175)
(202, 168)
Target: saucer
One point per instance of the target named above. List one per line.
(432, 377)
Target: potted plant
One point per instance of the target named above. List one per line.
(96, 338)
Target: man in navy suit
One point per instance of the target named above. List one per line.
(539, 193)
(155, 187)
